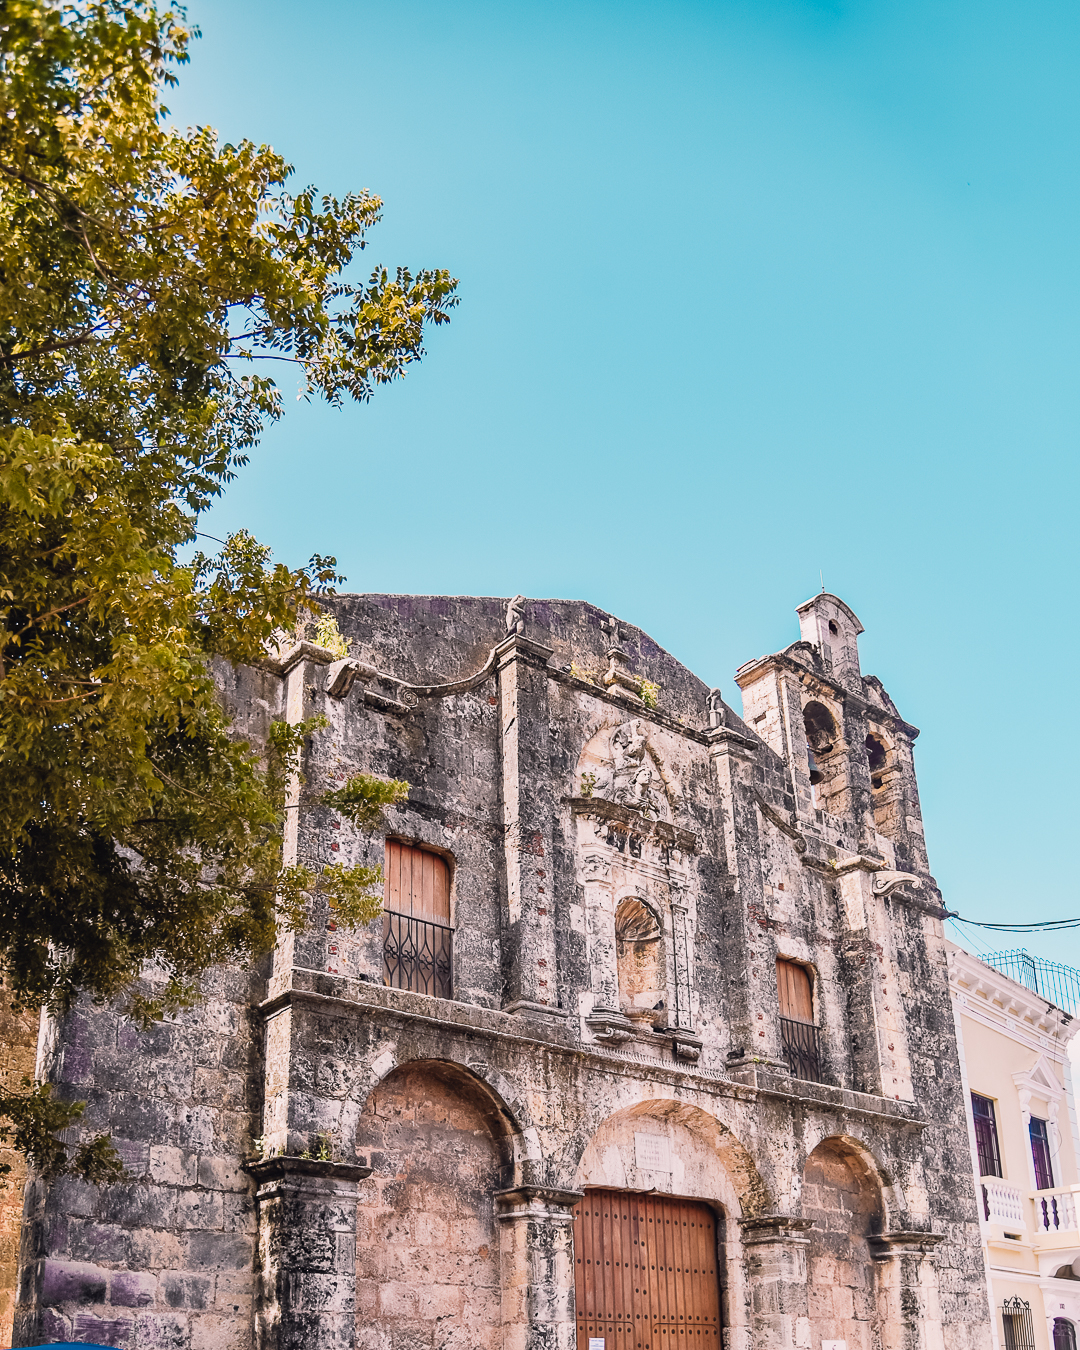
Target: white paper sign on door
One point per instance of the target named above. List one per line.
(596, 1343)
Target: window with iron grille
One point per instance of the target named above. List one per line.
(1017, 1324)
(798, 1032)
(1040, 1153)
(986, 1136)
(418, 951)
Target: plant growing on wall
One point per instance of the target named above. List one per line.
(150, 279)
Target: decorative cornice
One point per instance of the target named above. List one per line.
(968, 977)
(684, 840)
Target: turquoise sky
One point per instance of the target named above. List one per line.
(750, 288)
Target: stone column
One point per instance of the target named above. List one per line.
(537, 1261)
(307, 1253)
(527, 805)
(908, 1291)
(775, 1248)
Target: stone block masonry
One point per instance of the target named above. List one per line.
(385, 1140)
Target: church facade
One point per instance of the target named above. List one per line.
(651, 1049)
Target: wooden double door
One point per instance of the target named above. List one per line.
(646, 1273)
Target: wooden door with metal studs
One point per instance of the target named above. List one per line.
(646, 1273)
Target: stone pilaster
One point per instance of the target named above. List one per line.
(776, 1250)
(879, 1048)
(537, 1257)
(527, 806)
(908, 1291)
(605, 1020)
(307, 1253)
(754, 1026)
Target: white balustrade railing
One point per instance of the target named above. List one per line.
(1002, 1202)
(1055, 1211)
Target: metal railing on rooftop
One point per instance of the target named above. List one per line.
(1059, 985)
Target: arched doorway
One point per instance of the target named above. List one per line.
(427, 1250)
(1064, 1334)
(665, 1159)
(842, 1197)
(646, 1272)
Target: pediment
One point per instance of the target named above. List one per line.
(1040, 1080)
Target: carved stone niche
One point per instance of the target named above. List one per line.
(642, 964)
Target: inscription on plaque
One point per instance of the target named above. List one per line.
(653, 1152)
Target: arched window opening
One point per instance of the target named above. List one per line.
(417, 933)
(820, 737)
(798, 1030)
(878, 758)
(1066, 1273)
(639, 951)
(1064, 1331)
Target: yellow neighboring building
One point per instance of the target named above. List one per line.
(1015, 1033)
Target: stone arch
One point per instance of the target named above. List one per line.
(739, 1187)
(441, 1144)
(700, 1159)
(494, 1094)
(824, 741)
(843, 1196)
(867, 1164)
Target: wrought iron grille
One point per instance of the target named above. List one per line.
(417, 955)
(1016, 1321)
(1059, 985)
(802, 1049)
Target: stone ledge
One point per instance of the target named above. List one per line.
(824, 1096)
(290, 1165)
(316, 986)
(444, 1015)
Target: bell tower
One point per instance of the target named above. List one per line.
(830, 626)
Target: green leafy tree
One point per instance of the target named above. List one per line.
(152, 281)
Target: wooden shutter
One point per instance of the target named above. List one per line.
(417, 883)
(796, 992)
(646, 1272)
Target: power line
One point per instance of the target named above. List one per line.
(1043, 926)
(973, 939)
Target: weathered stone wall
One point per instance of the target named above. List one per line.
(18, 1053)
(556, 794)
(845, 1207)
(164, 1259)
(427, 1249)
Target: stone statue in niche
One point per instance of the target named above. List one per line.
(631, 777)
